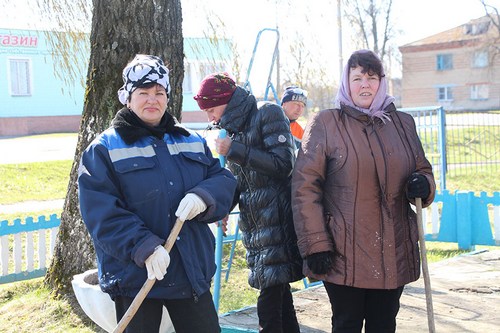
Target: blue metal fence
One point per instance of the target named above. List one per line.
(430, 122)
(459, 143)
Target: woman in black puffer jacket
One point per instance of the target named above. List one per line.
(260, 152)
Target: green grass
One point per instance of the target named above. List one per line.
(28, 307)
(236, 293)
(437, 251)
(484, 178)
(34, 181)
(476, 143)
(466, 149)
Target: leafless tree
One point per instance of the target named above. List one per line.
(217, 31)
(305, 61)
(494, 15)
(119, 30)
(373, 20)
(304, 70)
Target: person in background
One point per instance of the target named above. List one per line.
(294, 102)
(135, 179)
(360, 166)
(260, 153)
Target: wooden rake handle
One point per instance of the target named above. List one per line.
(425, 267)
(146, 287)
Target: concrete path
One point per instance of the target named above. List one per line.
(38, 148)
(466, 298)
(31, 206)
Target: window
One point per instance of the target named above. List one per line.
(187, 84)
(445, 94)
(444, 62)
(20, 78)
(477, 29)
(480, 59)
(479, 91)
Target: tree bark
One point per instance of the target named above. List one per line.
(120, 30)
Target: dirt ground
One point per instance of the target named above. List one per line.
(465, 298)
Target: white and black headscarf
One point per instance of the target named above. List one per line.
(142, 70)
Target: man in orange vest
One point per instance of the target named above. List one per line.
(293, 102)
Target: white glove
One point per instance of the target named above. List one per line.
(190, 206)
(157, 263)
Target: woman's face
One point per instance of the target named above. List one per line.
(215, 113)
(149, 104)
(363, 87)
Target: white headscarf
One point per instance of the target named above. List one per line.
(142, 70)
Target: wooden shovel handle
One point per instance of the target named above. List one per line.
(425, 267)
(146, 287)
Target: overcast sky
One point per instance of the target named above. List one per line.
(413, 19)
(244, 19)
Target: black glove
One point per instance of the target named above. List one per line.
(320, 263)
(417, 186)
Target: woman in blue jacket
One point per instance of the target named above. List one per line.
(135, 179)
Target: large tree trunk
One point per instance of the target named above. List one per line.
(120, 29)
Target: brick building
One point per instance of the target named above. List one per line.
(458, 69)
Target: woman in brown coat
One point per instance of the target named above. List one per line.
(359, 168)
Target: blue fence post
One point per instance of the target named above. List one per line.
(464, 220)
(481, 228)
(448, 225)
(219, 243)
(442, 146)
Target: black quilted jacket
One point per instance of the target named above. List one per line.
(262, 159)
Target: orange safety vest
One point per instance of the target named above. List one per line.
(297, 132)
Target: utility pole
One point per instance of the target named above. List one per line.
(278, 79)
(339, 24)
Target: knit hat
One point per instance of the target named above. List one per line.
(142, 70)
(215, 89)
(294, 93)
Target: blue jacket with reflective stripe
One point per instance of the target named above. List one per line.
(128, 198)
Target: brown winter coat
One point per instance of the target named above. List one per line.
(348, 197)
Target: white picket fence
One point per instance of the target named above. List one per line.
(26, 247)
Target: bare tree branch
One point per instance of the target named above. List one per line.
(377, 33)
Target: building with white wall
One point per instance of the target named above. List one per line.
(34, 97)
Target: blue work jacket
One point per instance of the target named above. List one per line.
(128, 197)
